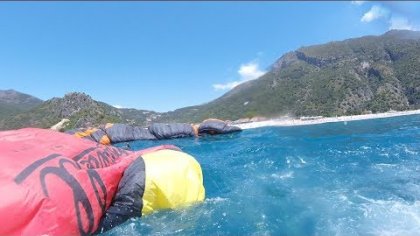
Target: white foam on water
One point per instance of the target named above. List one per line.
(384, 166)
(343, 197)
(384, 154)
(408, 151)
(286, 175)
(216, 200)
(365, 147)
(295, 162)
(390, 217)
(302, 161)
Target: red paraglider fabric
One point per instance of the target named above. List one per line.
(56, 184)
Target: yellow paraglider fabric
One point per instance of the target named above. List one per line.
(173, 179)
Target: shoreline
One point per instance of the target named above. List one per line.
(281, 122)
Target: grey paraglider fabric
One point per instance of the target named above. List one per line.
(97, 135)
(71, 131)
(142, 133)
(128, 201)
(174, 130)
(117, 133)
(216, 127)
(120, 133)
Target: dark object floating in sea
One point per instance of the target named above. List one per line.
(116, 133)
(214, 126)
(168, 131)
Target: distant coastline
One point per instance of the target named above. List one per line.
(321, 120)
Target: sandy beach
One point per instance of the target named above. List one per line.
(295, 122)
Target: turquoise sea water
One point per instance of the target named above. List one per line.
(355, 178)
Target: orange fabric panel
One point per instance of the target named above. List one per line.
(105, 140)
(85, 133)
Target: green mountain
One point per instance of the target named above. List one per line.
(354, 76)
(80, 109)
(13, 102)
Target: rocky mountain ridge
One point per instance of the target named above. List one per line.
(356, 76)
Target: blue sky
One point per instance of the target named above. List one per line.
(166, 55)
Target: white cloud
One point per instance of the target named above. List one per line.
(358, 3)
(248, 71)
(388, 15)
(374, 13)
(400, 23)
(118, 106)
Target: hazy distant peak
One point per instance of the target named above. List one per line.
(403, 34)
(11, 96)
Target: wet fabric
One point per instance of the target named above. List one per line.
(142, 134)
(101, 137)
(56, 184)
(120, 133)
(216, 127)
(173, 179)
(116, 133)
(173, 130)
(162, 179)
(128, 201)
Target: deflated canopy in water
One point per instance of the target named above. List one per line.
(214, 126)
(56, 184)
(142, 134)
(165, 179)
(119, 132)
(173, 130)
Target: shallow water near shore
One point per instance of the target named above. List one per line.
(347, 178)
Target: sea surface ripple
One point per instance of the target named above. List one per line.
(348, 178)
